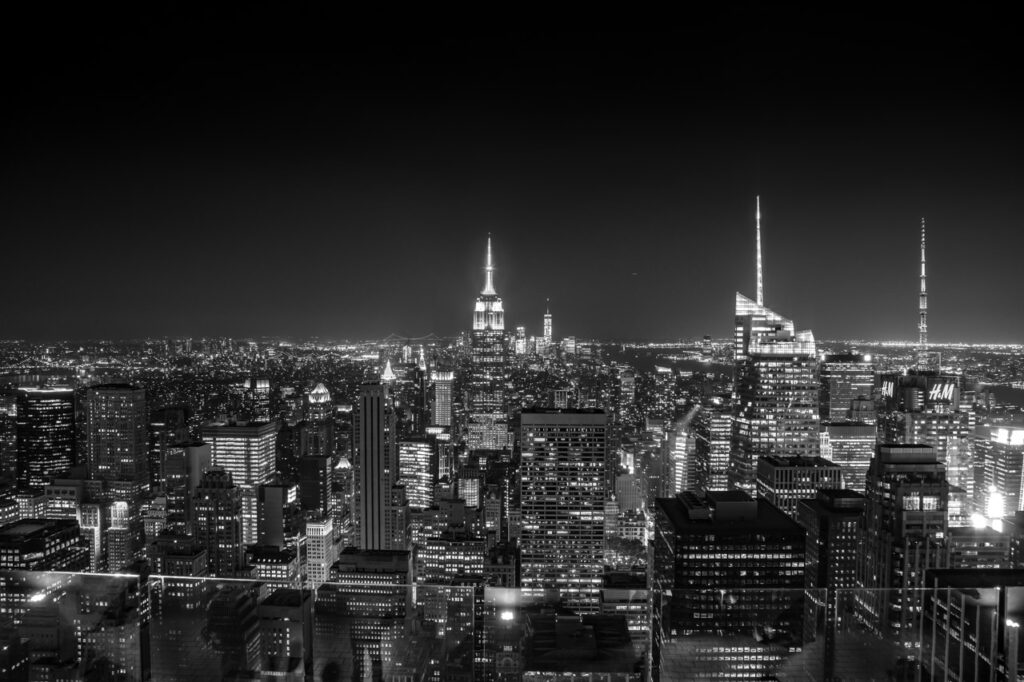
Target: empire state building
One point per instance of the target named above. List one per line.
(486, 401)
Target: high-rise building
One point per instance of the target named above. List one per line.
(246, 451)
(271, 499)
(562, 494)
(712, 429)
(183, 467)
(784, 481)
(845, 378)
(116, 433)
(907, 497)
(971, 628)
(832, 521)
(776, 392)
(42, 545)
(416, 472)
(851, 446)
(1001, 473)
(380, 506)
(441, 414)
(218, 523)
(45, 434)
(731, 564)
(549, 337)
(485, 389)
(315, 484)
(321, 551)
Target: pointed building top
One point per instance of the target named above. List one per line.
(320, 394)
(760, 272)
(547, 309)
(489, 270)
(388, 374)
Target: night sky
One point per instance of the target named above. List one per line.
(250, 174)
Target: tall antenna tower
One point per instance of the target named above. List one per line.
(922, 325)
(760, 273)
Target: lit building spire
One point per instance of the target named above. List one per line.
(760, 273)
(922, 325)
(489, 269)
(388, 374)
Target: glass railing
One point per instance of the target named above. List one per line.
(68, 626)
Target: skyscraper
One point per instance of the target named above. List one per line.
(845, 378)
(246, 451)
(784, 481)
(712, 427)
(417, 471)
(776, 389)
(381, 512)
(833, 521)
(441, 414)
(850, 445)
(907, 495)
(218, 526)
(562, 493)
(45, 433)
(727, 565)
(486, 400)
(1001, 472)
(116, 433)
(775, 394)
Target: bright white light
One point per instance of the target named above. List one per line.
(1012, 623)
(978, 520)
(38, 596)
(507, 615)
(996, 504)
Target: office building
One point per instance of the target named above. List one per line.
(380, 506)
(971, 628)
(776, 392)
(851, 446)
(1000, 468)
(562, 494)
(845, 378)
(832, 520)
(712, 429)
(417, 472)
(116, 433)
(246, 451)
(218, 522)
(320, 550)
(441, 412)
(315, 484)
(907, 497)
(42, 545)
(732, 565)
(45, 434)
(784, 481)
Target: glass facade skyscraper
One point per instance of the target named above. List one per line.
(45, 433)
(562, 493)
(775, 392)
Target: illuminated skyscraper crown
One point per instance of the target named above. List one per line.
(488, 312)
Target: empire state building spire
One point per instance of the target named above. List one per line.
(489, 269)
(488, 312)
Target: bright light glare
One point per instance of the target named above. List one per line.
(507, 615)
(978, 520)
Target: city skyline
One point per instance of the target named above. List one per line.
(200, 192)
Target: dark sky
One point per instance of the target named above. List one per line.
(245, 173)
